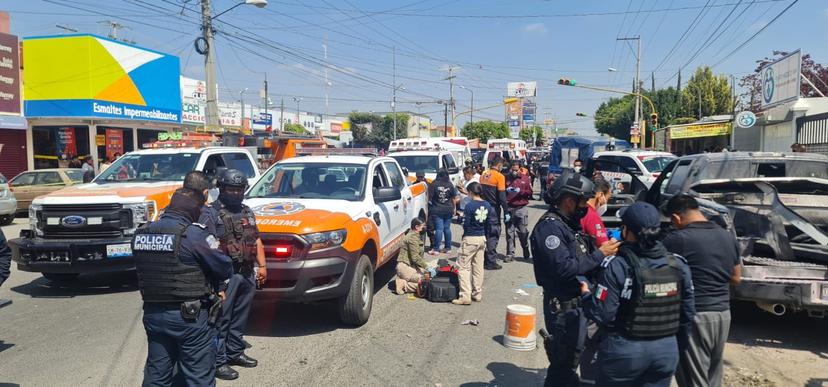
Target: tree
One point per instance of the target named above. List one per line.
(616, 116)
(295, 128)
(485, 130)
(751, 84)
(531, 134)
(707, 94)
(374, 130)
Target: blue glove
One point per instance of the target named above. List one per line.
(432, 271)
(516, 190)
(507, 218)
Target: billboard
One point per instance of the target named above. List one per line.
(522, 89)
(781, 80)
(91, 76)
(9, 74)
(193, 111)
(194, 89)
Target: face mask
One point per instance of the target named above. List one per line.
(578, 169)
(230, 200)
(515, 173)
(601, 210)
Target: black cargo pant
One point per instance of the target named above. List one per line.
(566, 323)
(492, 238)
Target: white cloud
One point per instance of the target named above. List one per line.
(535, 28)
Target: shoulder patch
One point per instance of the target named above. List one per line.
(680, 258)
(606, 262)
(552, 242)
(200, 225)
(213, 242)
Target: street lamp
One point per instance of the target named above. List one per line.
(471, 113)
(612, 69)
(241, 99)
(204, 46)
(297, 100)
(394, 108)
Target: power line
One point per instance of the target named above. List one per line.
(683, 35)
(745, 43)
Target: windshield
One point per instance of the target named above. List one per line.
(425, 164)
(656, 163)
(311, 181)
(149, 167)
(75, 175)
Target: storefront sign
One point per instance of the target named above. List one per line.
(195, 89)
(66, 143)
(230, 115)
(100, 140)
(336, 127)
(114, 143)
(9, 74)
(263, 119)
(781, 80)
(90, 76)
(696, 131)
(745, 119)
(175, 136)
(193, 112)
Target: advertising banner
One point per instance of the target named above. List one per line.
(114, 143)
(9, 74)
(336, 127)
(781, 80)
(263, 119)
(230, 115)
(193, 112)
(66, 143)
(91, 76)
(521, 89)
(195, 89)
(695, 131)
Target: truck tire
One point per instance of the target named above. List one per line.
(60, 277)
(6, 220)
(355, 307)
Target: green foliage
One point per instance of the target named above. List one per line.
(295, 128)
(682, 120)
(375, 130)
(714, 92)
(485, 130)
(615, 117)
(530, 134)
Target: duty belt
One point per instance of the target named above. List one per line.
(566, 305)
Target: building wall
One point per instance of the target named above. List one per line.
(779, 137)
(747, 139)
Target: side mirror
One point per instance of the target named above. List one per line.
(386, 194)
(453, 171)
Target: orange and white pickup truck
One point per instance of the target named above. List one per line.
(328, 222)
(87, 228)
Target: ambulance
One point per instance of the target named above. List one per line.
(87, 228)
(507, 148)
(428, 155)
(328, 221)
(457, 146)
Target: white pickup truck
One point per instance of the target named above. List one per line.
(87, 228)
(328, 222)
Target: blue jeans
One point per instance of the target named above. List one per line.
(172, 342)
(442, 227)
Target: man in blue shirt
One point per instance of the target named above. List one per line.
(480, 217)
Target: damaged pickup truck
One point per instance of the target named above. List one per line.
(777, 206)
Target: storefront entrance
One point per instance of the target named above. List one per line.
(58, 146)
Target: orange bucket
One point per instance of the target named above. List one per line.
(519, 333)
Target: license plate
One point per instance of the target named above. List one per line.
(119, 250)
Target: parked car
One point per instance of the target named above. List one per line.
(31, 184)
(8, 203)
(647, 165)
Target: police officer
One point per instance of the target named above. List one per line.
(179, 264)
(239, 237)
(561, 253)
(643, 296)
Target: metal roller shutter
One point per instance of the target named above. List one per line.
(12, 152)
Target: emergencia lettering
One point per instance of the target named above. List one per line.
(154, 242)
(278, 222)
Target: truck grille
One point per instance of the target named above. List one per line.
(275, 245)
(101, 221)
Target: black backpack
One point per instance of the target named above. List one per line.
(444, 287)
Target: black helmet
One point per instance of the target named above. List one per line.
(572, 183)
(232, 177)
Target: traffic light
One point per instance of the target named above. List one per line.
(566, 82)
(654, 119)
(581, 114)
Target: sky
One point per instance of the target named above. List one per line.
(486, 43)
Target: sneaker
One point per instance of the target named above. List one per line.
(493, 266)
(477, 297)
(432, 252)
(446, 251)
(399, 286)
(461, 301)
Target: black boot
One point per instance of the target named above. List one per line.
(244, 361)
(225, 372)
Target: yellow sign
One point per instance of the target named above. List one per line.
(100, 140)
(702, 130)
(346, 125)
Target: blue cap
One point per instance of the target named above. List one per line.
(639, 216)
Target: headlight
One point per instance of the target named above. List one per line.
(323, 240)
(34, 210)
(141, 212)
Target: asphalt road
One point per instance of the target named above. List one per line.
(90, 334)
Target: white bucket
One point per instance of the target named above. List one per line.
(519, 333)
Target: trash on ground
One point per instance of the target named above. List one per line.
(470, 322)
(521, 292)
(528, 286)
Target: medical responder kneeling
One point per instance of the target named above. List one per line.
(642, 299)
(179, 265)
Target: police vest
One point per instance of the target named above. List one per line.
(581, 251)
(240, 234)
(654, 307)
(162, 277)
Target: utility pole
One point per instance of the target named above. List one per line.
(445, 119)
(113, 28)
(241, 99)
(297, 100)
(327, 83)
(210, 66)
(451, 93)
(700, 112)
(282, 116)
(266, 98)
(637, 86)
(394, 92)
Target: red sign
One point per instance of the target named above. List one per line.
(66, 142)
(336, 127)
(114, 143)
(9, 74)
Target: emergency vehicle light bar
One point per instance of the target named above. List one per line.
(337, 152)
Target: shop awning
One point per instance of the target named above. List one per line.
(13, 122)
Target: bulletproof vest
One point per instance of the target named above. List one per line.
(162, 277)
(654, 307)
(240, 234)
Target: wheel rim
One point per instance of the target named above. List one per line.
(366, 292)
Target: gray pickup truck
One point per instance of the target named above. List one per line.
(777, 206)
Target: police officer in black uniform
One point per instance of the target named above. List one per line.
(561, 254)
(239, 237)
(5, 264)
(179, 266)
(643, 298)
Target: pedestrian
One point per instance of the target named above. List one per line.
(88, 169)
(470, 175)
(430, 228)
(577, 165)
(596, 208)
(239, 237)
(442, 199)
(518, 194)
(410, 264)
(643, 296)
(798, 148)
(179, 264)
(561, 253)
(479, 218)
(493, 184)
(713, 256)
